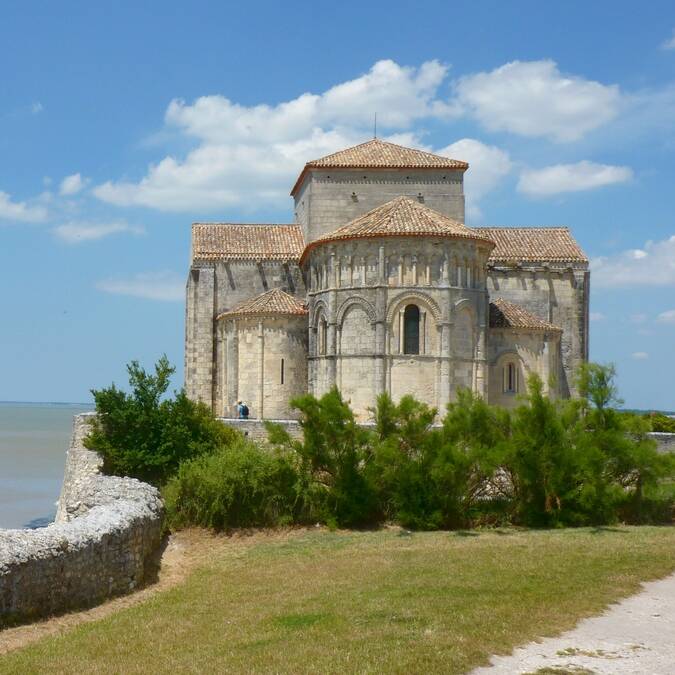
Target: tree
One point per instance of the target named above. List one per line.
(146, 435)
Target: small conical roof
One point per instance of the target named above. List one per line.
(401, 217)
(271, 303)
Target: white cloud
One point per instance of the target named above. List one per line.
(670, 42)
(488, 165)
(71, 185)
(250, 155)
(638, 318)
(533, 98)
(36, 107)
(577, 177)
(78, 233)
(640, 356)
(652, 265)
(20, 211)
(164, 286)
(666, 317)
(596, 316)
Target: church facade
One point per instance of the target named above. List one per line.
(378, 286)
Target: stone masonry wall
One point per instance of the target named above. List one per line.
(103, 542)
(330, 198)
(558, 294)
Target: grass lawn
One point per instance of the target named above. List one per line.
(363, 602)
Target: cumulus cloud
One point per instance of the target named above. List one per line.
(533, 98)
(164, 286)
(489, 165)
(71, 185)
(640, 356)
(670, 42)
(21, 212)
(559, 178)
(78, 233)
(652, 265)
(666, 317)
(250, 155)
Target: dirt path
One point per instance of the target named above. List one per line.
(185, 551)
(637, 635)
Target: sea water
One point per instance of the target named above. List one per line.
(34, 438)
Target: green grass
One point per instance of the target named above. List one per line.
(364, 602)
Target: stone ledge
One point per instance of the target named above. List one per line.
(103, 543)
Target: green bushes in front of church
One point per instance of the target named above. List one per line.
(545, 463)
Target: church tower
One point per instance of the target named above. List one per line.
(338, 188)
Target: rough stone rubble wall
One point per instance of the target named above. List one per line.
(103, 543)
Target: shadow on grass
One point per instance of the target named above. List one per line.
(601, 529)
(466, 533)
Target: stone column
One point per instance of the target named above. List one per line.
(423, 332)
(261, 370)
(232, 368)
(222, 370)
(444, 374)
(381, 332)
(401, 328)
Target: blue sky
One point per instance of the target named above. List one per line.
(120, 125)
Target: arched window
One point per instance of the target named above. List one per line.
(322, 335)
(510, 378)
(411, 330)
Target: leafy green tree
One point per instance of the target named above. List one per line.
(145, 434)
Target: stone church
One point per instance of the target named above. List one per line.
(378, 286)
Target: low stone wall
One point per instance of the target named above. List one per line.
(254, 429)
(666, 442)
(104, 541)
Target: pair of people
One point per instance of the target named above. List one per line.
(242, 410)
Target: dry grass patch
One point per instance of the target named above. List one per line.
(383, 601)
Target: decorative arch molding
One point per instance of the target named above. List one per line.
(462, 305)
(359, 301)
(320, 309)
(507, 354)
(409, 297)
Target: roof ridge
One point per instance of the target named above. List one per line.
(521, 227)
(380, 154)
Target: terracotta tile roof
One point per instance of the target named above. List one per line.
(270, 303)
(504, 314)
(401, 217)
(231, 241)
(378, 154)
(533, 244)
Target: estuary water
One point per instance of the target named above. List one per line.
(34, 438)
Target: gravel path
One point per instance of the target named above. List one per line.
(636, 635)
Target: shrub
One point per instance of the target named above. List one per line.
(237, 486)
(403, 450)
(662, 423)
(139, 434)
(332, 484)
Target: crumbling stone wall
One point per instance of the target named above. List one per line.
(103, 542)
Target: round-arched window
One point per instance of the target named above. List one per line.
(411, 330)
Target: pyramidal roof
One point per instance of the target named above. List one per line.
(270, 303)
(504, 314)
(401, 217)
(379, 154)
